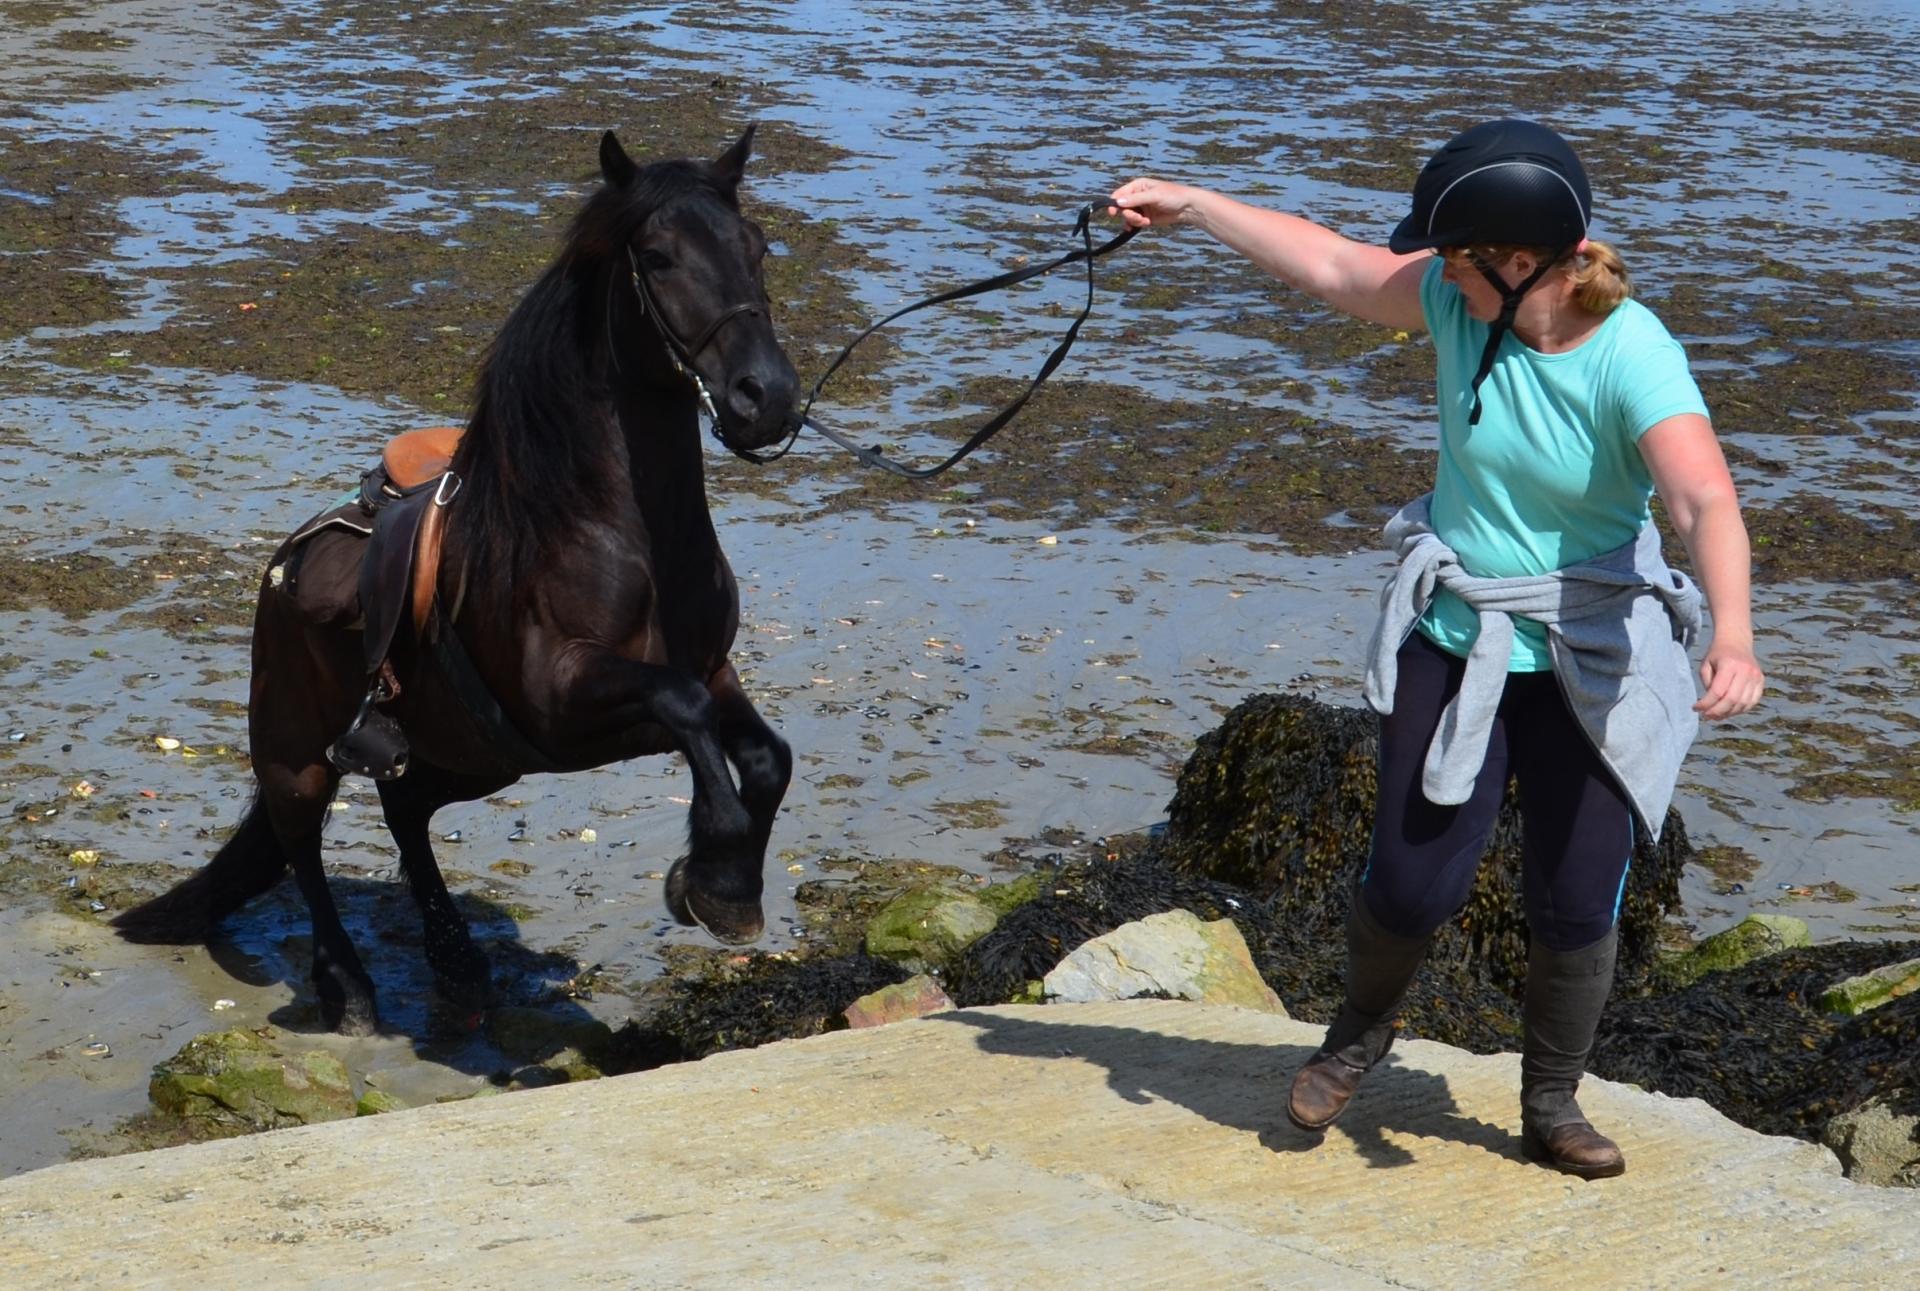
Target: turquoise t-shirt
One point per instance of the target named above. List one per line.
(1552, 474)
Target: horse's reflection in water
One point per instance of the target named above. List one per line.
(579, 577)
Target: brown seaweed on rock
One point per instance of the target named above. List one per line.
(746, 1001)
(1753, 1042)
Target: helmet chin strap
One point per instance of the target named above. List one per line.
(1510, 298)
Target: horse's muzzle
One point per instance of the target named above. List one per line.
(761, 406)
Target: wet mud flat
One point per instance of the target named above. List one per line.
(241, 246)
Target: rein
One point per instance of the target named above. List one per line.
(680, 353)
(1087, 251)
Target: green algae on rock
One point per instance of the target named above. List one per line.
(238, 1081)
(929, 927)
(1871, 990)
(1754, 936)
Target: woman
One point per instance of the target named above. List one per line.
(1531, 628)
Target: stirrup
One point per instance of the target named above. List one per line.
(374, 745)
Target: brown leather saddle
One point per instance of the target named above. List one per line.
(411, 488)
(401, 509)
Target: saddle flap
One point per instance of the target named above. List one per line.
(418, 456)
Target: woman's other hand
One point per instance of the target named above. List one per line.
(1733, 681)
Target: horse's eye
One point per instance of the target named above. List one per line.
(655, 261)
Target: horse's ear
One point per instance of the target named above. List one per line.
(615, 166)
(730, 165)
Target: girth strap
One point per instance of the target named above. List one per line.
(514, 751)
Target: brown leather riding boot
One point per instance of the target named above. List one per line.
(1380, 965)
(1576, 1148)
(1566, 990)
(1324, 1086)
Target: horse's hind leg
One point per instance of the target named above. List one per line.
(297, 802)
(460, 970)
(306, 681)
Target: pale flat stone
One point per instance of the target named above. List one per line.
(1171, 954)
(1138, 1144)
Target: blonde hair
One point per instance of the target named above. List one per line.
(1599, 278)
(1598, 274)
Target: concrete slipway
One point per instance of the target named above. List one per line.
(1111, 1145)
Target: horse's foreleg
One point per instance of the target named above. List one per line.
(761, 757)
(718, 883)
(461, 972)
(297, 802)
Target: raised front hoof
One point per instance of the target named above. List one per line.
(734, 923)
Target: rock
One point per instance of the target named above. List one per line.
(914, 998)
(1172, 955)
(928, 927)
(1005, 898)
(373, 1103)
(1875, 1145)
(1870, 990)
(1754, 936)
(235, 1082)
(550, 1039)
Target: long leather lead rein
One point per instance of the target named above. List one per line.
(1087, 251)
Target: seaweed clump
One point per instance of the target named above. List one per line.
(743, 1002)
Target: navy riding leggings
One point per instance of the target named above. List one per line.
(1578, 833)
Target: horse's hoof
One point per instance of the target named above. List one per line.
(463, 978)
(351, 1017)
(466, 994)
(734, 923)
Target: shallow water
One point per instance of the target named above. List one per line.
(949, 679)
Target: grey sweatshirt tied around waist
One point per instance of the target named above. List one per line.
(1618, 630)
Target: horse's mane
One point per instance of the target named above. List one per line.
(535, 456)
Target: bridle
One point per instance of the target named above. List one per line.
(681, 353)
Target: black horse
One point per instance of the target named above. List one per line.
(579, 577)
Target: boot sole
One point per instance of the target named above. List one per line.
(1311, 1127)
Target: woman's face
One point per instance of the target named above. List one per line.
(1483, 302)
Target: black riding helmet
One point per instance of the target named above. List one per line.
(1502, 182)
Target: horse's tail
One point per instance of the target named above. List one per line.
(247, 864)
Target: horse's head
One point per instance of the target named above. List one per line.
(694, 262)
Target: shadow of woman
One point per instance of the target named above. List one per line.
(1244, 1086)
